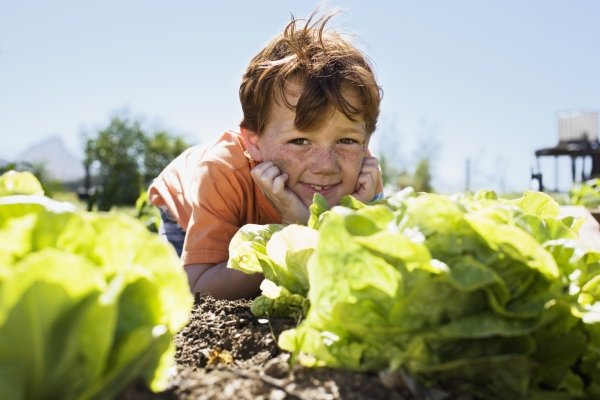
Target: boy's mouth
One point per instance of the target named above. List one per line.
(325, 190)
(320, 188)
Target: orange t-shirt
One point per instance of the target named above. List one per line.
(210, 193)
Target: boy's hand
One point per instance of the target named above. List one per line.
(369, 180)
(272, 182)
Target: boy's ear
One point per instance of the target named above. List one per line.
(250, 139)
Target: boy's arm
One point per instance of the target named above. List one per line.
(222, 282)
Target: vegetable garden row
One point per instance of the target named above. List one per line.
(496, 298)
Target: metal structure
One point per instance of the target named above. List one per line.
(577, 138)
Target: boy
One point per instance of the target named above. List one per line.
(310, 103)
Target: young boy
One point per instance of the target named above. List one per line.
(310, 103)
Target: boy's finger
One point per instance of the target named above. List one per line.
(373, 167)
(279, 184)
(261, 167)
(366, 181)
(266, 173)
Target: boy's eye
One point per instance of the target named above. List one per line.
(348, 141)
(299, 141)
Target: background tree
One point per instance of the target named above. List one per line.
(88, 192)
(161, 148)
(389, 172)
(127, 159)
(397, 170)
(118, 150)
(421, 181)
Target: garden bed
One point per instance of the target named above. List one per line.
(226, 352)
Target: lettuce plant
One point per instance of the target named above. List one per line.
(586, 193)
(492, 297)
(24, 182)
(280, 253)
(88, 302)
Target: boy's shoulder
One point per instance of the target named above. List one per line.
(227, 151)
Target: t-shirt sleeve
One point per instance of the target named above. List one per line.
(216, 215)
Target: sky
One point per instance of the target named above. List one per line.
(475, 85)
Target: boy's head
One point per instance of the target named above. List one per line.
(310, 105)
(331, 73)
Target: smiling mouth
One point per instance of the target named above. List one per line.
(320, 188)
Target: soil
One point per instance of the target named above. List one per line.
(225, 352)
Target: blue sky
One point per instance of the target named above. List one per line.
(463, 80)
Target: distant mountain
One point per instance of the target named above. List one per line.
(56, 158)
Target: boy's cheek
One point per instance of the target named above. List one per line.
(285, 166)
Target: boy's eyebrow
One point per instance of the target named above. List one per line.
(343, 131)
(352, 129)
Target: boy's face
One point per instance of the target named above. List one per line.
(327, 160)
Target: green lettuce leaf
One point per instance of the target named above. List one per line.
(491, 297)
(13, 182)
(88, 302)
(465, 291)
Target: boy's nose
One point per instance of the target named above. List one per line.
(325, 160)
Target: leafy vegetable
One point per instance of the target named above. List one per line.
(280, 253)
(13, 182)
(248, 248)
(493, 297)
(88, 302)
(586, 193)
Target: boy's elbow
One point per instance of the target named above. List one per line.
(194, 274)
(221, 282)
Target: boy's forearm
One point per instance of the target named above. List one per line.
(222, 282)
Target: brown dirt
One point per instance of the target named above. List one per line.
(226, 352)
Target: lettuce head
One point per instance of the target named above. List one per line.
(491, 297)
(88, 302)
